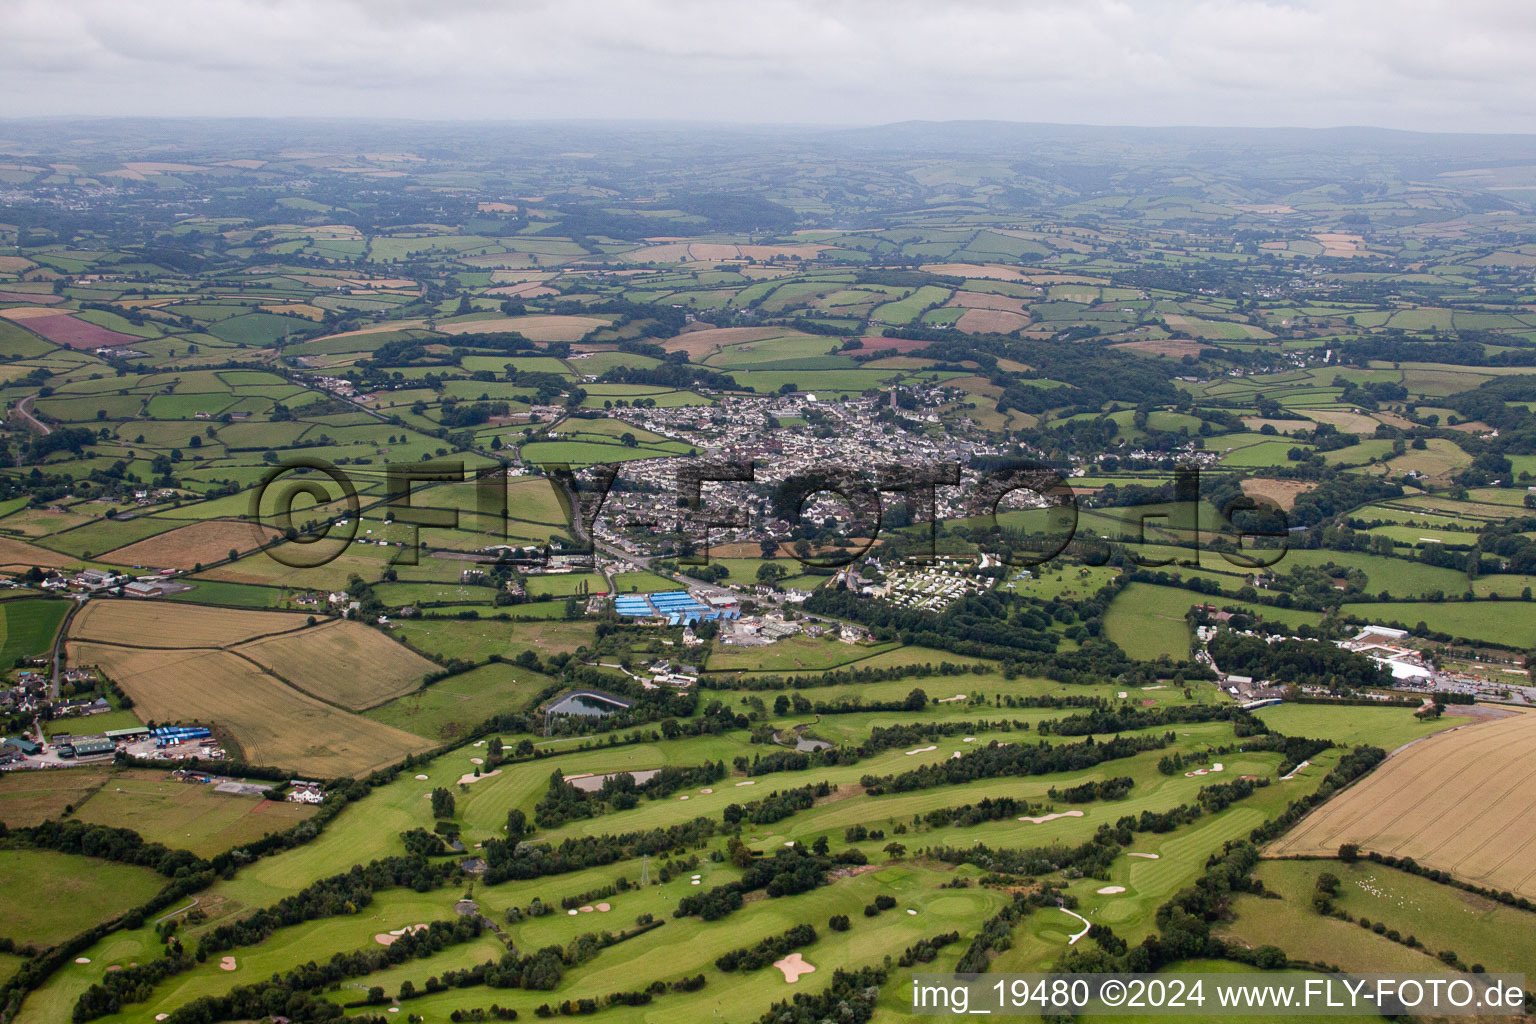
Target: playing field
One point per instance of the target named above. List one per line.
(1463, 801)
(274, 723)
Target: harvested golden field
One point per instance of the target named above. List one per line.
(984, 321)
(187, 546)
(1281, 492)
(1335, 244)
(1257, 423)
(18, 554)
(1462, 801)
(379, 328)
(151, 625)
(526, 290)
(975, 386)
(341, 662)
(303, 309)
(986, 300)
(1174, 348)
(1349, 422)
(273, 723)
(546, 327)
(21, 313)
(987, 271)
(699, 344)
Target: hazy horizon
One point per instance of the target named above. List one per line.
(1424, 66)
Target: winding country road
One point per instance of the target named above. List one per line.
(24, 410)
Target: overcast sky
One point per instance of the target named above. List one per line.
(1421, 64)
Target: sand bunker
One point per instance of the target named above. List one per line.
(1087, 925)
(571, 912)
(706, 791)
(912, 913)
(955, 755)
(683, 797)
(921, 750)
(603, 908)
(1204, 771)
(793, 966)
(1144, 856)
(951, 700)
(969, 739)
(421, 778)
(161, 1016)
(749, 782)
(1042, 819)
(477, 760)
(587, 909)
(82, 959)
(227, 964)
(694, 882)
(465, 780)
(1295, 771)
(383, 938)
(1122, 695)
(1110, 890)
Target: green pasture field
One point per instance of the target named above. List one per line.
(91, 725)
(1440, 916)
(400, 594)
(187, 816)
(1397, 576)
(18, 342)
(1419, 536)
(80, 891)
(256, 329)
(236, 595)
(1295, 927)
(566, 585)
(106, 535)
(1507, 623)
(477, 641)
(1369, 450)
(875, 655)
(1388, 728)
(799, 652)
(589, 453)
(453, 706)
(28, 626)
(642, 582)
(1147, 622)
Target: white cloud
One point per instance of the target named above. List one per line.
(1429, 64)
